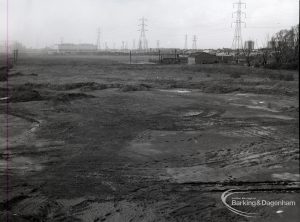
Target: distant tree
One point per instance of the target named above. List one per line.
(247, 53)
(265, 52)
(265, 56)
(296, 42)
(286, 46)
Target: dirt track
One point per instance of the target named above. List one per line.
(96, 140)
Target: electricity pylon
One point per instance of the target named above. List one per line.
(98, 43)
(143, 43)
(194, 47)
(237, 43)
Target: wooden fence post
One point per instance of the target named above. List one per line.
(159, 56)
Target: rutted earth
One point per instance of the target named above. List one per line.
(122, 146)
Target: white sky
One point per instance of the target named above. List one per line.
(37, 23)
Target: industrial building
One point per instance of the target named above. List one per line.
(68, 48)
(273, 44)
(225, 57)
(249, 45)
(202, 58)
(10, 46)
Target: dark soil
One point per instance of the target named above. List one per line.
(93, 139)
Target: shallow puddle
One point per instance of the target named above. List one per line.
(176, 90)
(255, 107)
(192, 113)
(4, 98)
(277, 117)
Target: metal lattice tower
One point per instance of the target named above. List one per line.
(98, 43)
(186, 42)
(143, 43)
(123, 46)
(157, 44)
(194, 47)
(237, 43)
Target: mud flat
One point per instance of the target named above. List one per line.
(100, 140)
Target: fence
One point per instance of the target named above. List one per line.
(126, 57)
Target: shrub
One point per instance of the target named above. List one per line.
(235, 75)
(272, 66)
(269, 105)
(282, 77)
(290, 66)
(287, 66)
(3, 76)
(256, 65)
(3, 73)
(288, 77)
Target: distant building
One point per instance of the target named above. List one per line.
(202, 58)
(52, 49)
(191, 60)
(272, 44)
(5, 47)
(225, 57)
(10, 46)
(169, 58)
(172, 56)
(249, 45)
(76, 48)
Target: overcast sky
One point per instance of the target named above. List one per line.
(37, 23)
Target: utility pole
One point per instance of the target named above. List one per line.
(186, 42)
(143, 43)
(157, 45)
(237, 43)
(123, 46)
(194, 42)
(133, 44)
(98, 43)
(256, 43)
(130, 57)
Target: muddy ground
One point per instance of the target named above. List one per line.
(94, 139)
